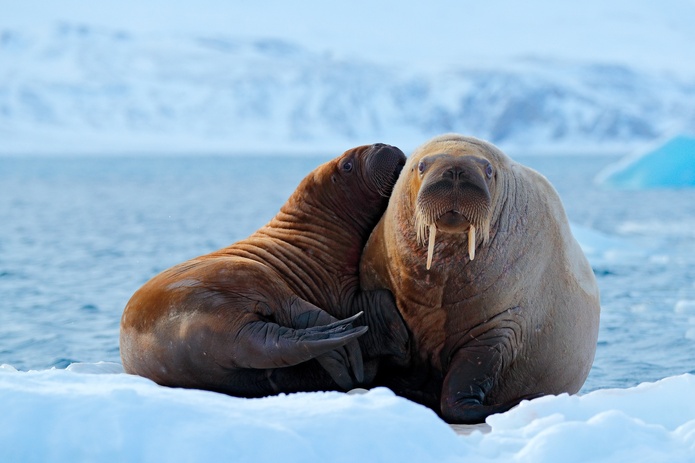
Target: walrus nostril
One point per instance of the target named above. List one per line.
(456, 173)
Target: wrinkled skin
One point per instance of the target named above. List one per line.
(280, 311)
(513, 314)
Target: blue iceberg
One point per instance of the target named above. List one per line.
(671, 165)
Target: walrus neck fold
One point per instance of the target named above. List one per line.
(332, 244)
(329, 247)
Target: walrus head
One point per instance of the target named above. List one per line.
(376, 166)
(346, 195)
(362, 180)
(451, 183)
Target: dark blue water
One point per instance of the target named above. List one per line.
(78, 236)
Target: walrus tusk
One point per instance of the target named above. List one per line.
(471, 242)
(430, 247)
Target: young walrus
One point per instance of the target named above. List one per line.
(501, 302)
(281, 310)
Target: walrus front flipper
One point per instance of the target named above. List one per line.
(471, 376)
(388, 334)
(344, 365)
(262, 345)
(340, 363)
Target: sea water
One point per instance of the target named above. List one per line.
(79, 235)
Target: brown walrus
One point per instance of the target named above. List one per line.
(261, 316)
(501, 302)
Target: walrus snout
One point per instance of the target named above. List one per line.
(384, 163)
(466, 174)
(457, 173)
(454, 197)
(454, 192)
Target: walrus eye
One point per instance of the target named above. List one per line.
(347, 167)
(488, 170)
(421, 167)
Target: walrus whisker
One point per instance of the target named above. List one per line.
(425, 217)
(430, 247)
(471, 242)
(386, 184)
(386, 187)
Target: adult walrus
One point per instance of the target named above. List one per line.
(261, 316)
(501, 302)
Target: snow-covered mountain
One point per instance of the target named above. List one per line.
(75, 86)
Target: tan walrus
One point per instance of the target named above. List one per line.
(278, 311)
(501, 302)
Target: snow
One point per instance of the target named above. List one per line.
(670, 165)
(91, 412)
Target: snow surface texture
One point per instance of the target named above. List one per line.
(91, 414)
(275, 77)
(670, 165)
